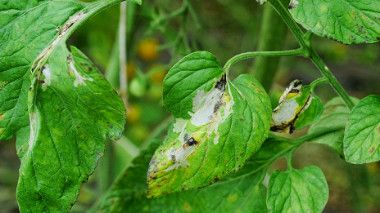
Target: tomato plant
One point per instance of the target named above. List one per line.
(216, 150)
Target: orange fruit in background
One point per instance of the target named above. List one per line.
(157, 73)
(147, 49)
(133, 113)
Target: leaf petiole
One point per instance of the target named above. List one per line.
(317, 82)
(249, 55)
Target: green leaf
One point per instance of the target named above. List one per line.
(311, 114)
(334, 117)
(344, 20)
(304, 190)
(361, 142)
(29, 32)
(75, 112)
(228, 125)
(240, 192)
(198, 71)
(128, 193)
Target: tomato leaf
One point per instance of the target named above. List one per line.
(241, 191)
(76, 111)
(334, 117)
(294, 190)
(128, 193)
(343, 20)
(361, 142)
(297, 108)
(227, 127)
(30, 30)
(195, 72)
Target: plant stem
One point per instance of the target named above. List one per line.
(318, 81)
(272, 26)
(309, 51)
(293, 26)
(123, 53)
(331, 78)
(106, 169)
(249, 55)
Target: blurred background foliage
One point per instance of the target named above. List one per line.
(159, 32)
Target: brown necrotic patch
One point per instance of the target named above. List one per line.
(221, 84)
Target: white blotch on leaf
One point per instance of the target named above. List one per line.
(292, 103)
(294, 86)
(204, 106)
(210, 109)
(47, 75)
(79, 79)
(216, 138)
(293, 4)
(179, 125)
(261, 1)
(179, 157)
(34, 128)
(288, 107)
(285, 112)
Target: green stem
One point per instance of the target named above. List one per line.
(293, 26)
(304, 41)
(272, 26)
(122, 35)
(317, 82)
(106, 169)
(331, 78)
(249, 55)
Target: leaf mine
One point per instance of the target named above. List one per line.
(210, 109)
(46, 72)
(227, 124)
(293, 102)
(79, 79)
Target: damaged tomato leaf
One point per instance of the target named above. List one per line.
(198, 71)
(361, 142)
(29, 31)
(21, 42)
(75, 113)
(227, 125)
(242, 191)
(297, 108)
